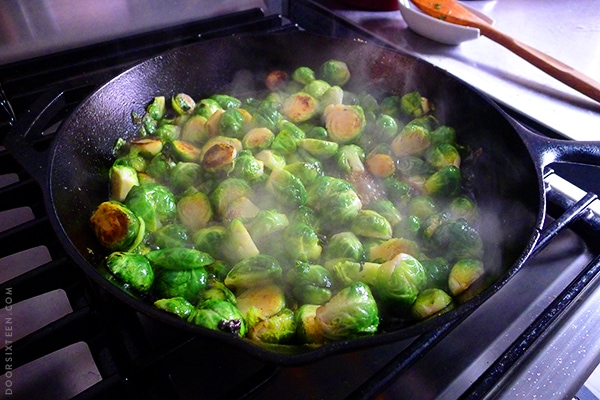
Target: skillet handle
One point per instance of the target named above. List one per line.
(24, 141)
(547, 150)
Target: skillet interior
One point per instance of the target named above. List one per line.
(506, 181)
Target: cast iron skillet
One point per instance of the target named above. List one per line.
(507, 171)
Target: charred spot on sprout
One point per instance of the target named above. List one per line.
(232, 326)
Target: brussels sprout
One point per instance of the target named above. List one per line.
(317, 88)
(413, 166)
(186, 283)
(175, 305)
(160, 166)
(276, 79)
(147, 147)
(277, 329)
(397, 191)
(254, 270)
(307, 329)
(430, 302)
(303, 75)
(465, 208)
(194, 211)
(219, 153)
(154, 203)
(380, 165)
(369, 223)
(305, 171)
(172, 235)
(414, 105)
(218, 270)
(344, 245)
(445, 182)
(266, 225)
(247, 167)
(442, 155)
(184, 151)
(133, 160)
(334, 200)
(347, 271)
(271, 159)
(431, 223)
(167, 132)
(267, 115)
(310, 283)
(116, 227)
(133, 269)
(321, 149)
(344, 123)
(409, 227)
(257, 139)
(386, 127)
(207, 107)
(455, 239)
(300, 107)
(352, 312)
(302, 242)
(286, 188)
(390, 248)
(231, 123)
(238, 242)
(122, 179)
(219, 315)
(183, 103)
(217, 290)
(350, 158)
(226, 192)
(226, 102)
(285, 143)
(399, 281)
(156, 109)
(413, 139)
(316, 132)
(386, 209)
(333, 95)
(422, 206)
(184, 175)
(242, 208)
(260, 301)
(437, 270)
(463, 273)
(194, 130)
(210, 240)
(179, 258)
(335, 72)
(443, 134)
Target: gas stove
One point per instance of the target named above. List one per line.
(64, 338)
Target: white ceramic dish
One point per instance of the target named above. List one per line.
(436, 29)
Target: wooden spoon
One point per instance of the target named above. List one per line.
(452, 12)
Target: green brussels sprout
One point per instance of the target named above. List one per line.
(254, 270)
(286, 188)
(310, 283)
(300, 107)
(183, 151)
(347, 271)
(399, 281)
(307, 329)
(277, 329)
(194, 211)
(386, 209)
(413, 139)
(271, 159)
(350, 313)
(172, 235)
(456, 239)
(409, 227)
(414, 105)
(178, 258)
(207, 107)
(257, 139)
(175, 305)
(260, 302)
(122, 179)
(334, 200)
(386, 128)
(465, 208)
(226, 102)
(317, 88)
(167, 132)
(413, 166)
(184, 175)
(317, 132)
(117, 227)
(194, 130)
(442, 155)
(422, 207)
(186, 283)
(380, 165)
(321, 149)
(238, 242)
(369, 223)
(350, 158)
(133, 160)
(344, 123)
(335, 72)
(285, 143)
(303, 75)
(265, 227)
(146, 147)
(183, 103)
(247, 167)
(443, 134)
(306, 171)
(397, 191)
(430, 302)
(218, 270)
(219, 315)
(388, 249)
(231, 123)
(344, 245)
(438, 270)
(431, 223)
(242, 208)
(267, 115)
(463, 273)
(160, 166)
(210, 240)
(217, 290)
(226, 192)
(156, 109)
(390, 105)
(334, 95)
(303, 215)
(153, 202)
(132, 269)
(301, 242)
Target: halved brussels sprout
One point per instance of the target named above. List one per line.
(116, 227)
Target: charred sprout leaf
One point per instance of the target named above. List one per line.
(430, 302)
(351, 313)
(277, 329)
(175, 305)
(179, 258)
(153, 202)
(254, 270)
(133, 269)
(463, 273)
(116, 227)
(219, 315)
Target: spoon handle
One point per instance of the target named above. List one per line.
(551, 66)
